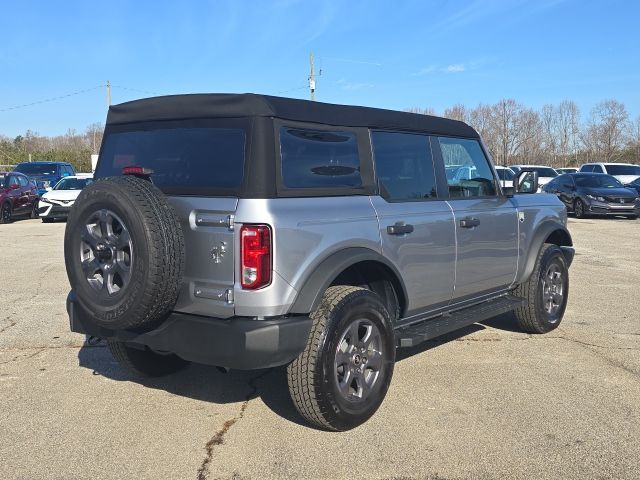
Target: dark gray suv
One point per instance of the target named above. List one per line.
(247, 231)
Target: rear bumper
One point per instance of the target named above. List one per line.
(239, 342)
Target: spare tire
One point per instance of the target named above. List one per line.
(124, 253)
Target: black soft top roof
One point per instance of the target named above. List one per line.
(226, 105)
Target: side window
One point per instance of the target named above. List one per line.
(13, 180)
(404, 165)
(23, 181)
(598, 169)
(68, 170)
(467, 168)
(319, 158)
(587, 168)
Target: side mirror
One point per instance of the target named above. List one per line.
(526, 181)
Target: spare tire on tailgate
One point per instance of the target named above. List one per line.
(124, 253)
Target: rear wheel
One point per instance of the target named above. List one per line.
(5, 213)
(143, 361)
(343, 374)
(579, 208)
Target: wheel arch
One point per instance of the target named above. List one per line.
(353, 266)
(548, 232)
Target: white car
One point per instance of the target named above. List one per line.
(57, 202)
(505, 174)
(545, 174)
(625, 172)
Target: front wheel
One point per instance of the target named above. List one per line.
(578, 208)
(545, 293)
(145, 362)
(5, 213)
(344, 372)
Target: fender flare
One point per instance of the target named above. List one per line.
(310, 295)
(550, 230)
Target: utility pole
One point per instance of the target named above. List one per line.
(312, 79)
(108, 94)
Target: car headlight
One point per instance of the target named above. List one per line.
(594, 197)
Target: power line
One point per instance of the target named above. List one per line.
(52, 99)
(136, 90)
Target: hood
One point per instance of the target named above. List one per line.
(610, 192)
(62, 194)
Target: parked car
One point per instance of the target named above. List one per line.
(18, 196)
(57, 202)
(331, 241)
(545, 174)
(505, 174)
(625, 172)
(46, 174)
(635, 185)
(594, 194)
(566, 170)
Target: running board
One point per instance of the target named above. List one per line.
(417, 333)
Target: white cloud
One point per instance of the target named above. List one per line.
(455, 68)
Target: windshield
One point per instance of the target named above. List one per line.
(504, 173)
(623, 170)
(37, 168)
(597, 181)
(72, 183)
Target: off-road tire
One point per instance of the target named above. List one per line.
(311, 377)
(157, 253)
(532, 316)
(144, 362)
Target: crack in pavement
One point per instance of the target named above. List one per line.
(24, 356)
(40, 350)
(11, 324)
(218, 438)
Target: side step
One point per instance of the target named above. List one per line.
(417, 333)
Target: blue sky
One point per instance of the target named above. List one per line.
(389, 54)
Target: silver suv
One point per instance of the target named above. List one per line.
(247, 231)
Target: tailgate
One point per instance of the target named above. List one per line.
(207, 287)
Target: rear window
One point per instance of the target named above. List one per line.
(623, 170)
(185, 161)
(319, 158)
(504, 174)
(37, 168)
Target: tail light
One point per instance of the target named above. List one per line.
(255, 255)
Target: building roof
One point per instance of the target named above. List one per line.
(223, 105)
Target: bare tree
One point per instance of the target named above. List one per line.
(606, 129)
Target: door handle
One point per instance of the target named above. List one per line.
(469, 222)
(399, 229)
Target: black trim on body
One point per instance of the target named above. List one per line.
(328, 270)
(239, 342)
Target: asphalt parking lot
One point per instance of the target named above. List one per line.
(489, 402)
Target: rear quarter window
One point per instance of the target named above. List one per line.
(319, 158)
(185, 161)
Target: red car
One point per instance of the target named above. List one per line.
(18, 196)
